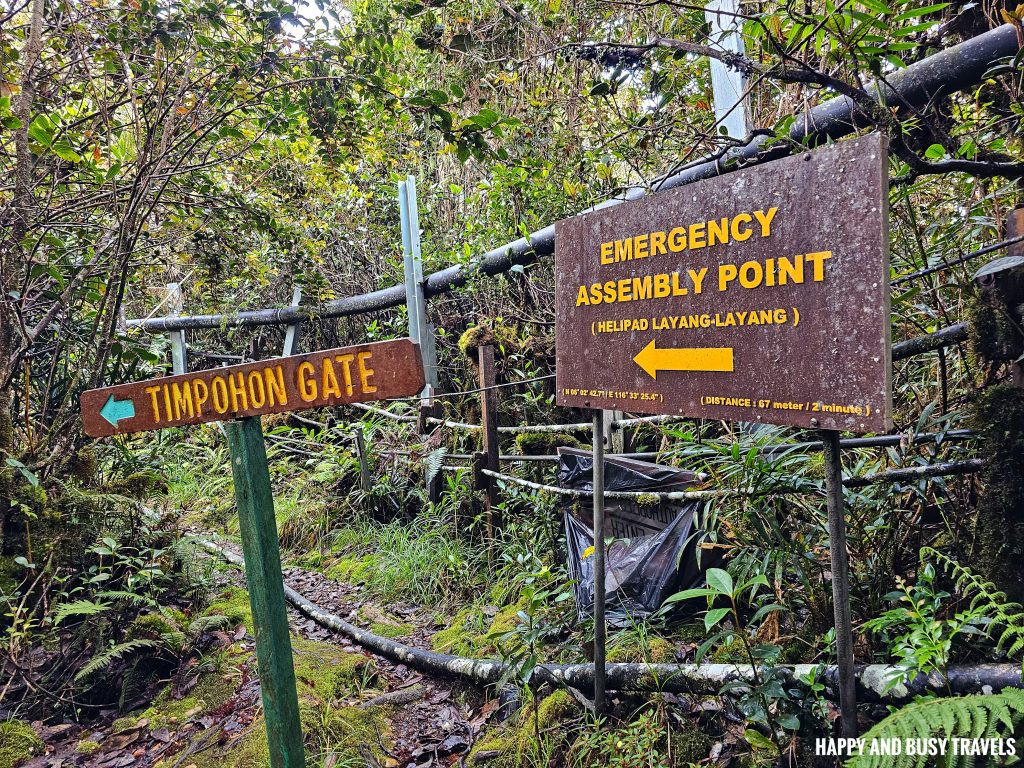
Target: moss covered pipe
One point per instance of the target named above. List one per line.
(955, 68)
(698, 679)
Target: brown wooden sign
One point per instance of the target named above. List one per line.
(364, 373)
(761, 295)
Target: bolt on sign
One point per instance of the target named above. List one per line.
(760, 295)
(364, 373)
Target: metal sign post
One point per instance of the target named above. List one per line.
(840, 582)
(238, 395)
(420, 329)
(600, 622)
(266, 591)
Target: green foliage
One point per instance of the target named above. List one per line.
(920, 632)
(975, 717)
(425, 560)
(1005, 619)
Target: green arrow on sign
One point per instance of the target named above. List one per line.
(114, 410)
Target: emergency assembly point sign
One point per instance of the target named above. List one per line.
(363, 373)
(761, 295)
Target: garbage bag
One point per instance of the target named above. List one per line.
(654, 553)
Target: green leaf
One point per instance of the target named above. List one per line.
(756, 740)
(64, 151)
(712, 617)
(720, 581)
(689, 594)
(41, 130)
(935, 151)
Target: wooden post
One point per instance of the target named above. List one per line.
(614, 438)
(293, 331)
(364, 466)
(266, 591)
(489, 425)
(600, 625)
(840, 582)
(179, 352)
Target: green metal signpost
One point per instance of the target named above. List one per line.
(237, 395)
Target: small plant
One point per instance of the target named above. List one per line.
(920, 632)
(762, 697)
(641, 743)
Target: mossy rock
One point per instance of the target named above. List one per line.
(87, 747)
(18, 742)
(656, 650)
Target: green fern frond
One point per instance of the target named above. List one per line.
(102, 661)
(78, 608)
(124, 596)
(207, 624)
(975, 717)
(1006, 619)
(433, 462)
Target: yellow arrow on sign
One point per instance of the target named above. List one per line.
(652, 359)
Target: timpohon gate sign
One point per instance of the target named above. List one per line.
(761, 295)
(330, 377)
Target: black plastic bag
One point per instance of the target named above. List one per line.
(657, 560)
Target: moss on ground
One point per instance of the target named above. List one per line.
(656, 650)
(234, 604)
(510, 745)
(356, 569)
(18, 742)
(328, 679)
(464, 638)
(87, 747)
(210, 692)
(689, 744)
(324, 671)
(385, 625)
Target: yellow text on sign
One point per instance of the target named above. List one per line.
(341, 376)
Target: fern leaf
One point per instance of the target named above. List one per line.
(124, 596)
(78, 608)
(433, 462)
(980, 716)
(102, 661)
(987, 599)
(207, 624)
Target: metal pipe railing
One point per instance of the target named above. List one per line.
(952, 69)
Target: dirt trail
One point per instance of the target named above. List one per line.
(431, 721)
